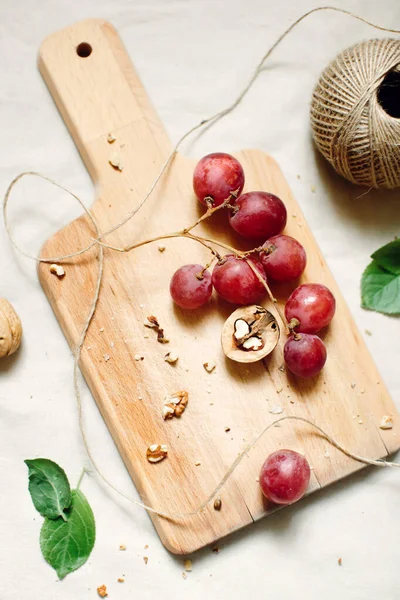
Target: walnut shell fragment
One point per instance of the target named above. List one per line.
(249, 334)
(10, 329)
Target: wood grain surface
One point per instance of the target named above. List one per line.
(101, 94)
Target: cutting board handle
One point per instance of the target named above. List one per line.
(97, 91)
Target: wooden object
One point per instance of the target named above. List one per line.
(99, 94)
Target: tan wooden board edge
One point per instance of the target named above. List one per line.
(101, 94)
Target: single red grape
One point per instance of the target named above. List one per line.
(260, 215)
(187, 290)
(306, 355)
(285, 476)
(287, 261)
(313, 305)
(216, 176)
(236, 282)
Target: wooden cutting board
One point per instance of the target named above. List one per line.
(98, 94)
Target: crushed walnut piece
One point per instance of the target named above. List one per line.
(57, 270)
(161, 337)
(171, 357)
(152, 323)
(120, 580)
(386, 422)
(111, 138)
(168, 411)
(156, 453)
(115, 161)
(122, 547)
(146, 559)
(102, 591)
(175, 404)
(209, 366)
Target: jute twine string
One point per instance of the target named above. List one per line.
(100, 258)
(351, 129)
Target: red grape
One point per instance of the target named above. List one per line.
(260, 215)
(313, 305)
(285, 476)
(236, 282)
(305, 354)
(216, 176)
(287, 261)
(187, 291)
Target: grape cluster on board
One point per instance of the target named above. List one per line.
(260, 217)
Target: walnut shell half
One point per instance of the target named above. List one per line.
(10, 329)
(249, 334)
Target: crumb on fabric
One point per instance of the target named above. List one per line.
(188, 564)
(102, 591)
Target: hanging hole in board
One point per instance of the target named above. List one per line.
(388, 94)
(84, 50)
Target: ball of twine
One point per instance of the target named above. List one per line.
(352, 119)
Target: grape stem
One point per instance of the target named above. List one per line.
(213, 209)
(200, 275)
(202, 240)
(270, 294)
(185, 233)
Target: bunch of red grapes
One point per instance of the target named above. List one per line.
(260, 217)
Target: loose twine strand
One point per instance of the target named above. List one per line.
(100, 257)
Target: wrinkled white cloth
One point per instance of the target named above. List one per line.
(193, 58)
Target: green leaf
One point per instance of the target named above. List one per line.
(388, 257)
(380, 290)
(66, 545)
(49, 488)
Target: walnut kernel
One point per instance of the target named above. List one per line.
(175, 404)
(102, 591)
(57, 270)
(156, 453)
(386, 422)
